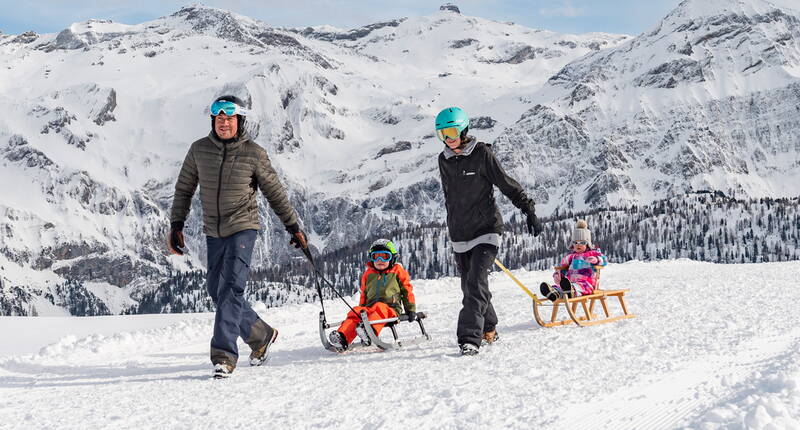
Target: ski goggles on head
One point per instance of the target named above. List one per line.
(229, 108)
(381, 256)
(449, 132)
(580, 242)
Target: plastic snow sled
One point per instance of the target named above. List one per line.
(375, 340)
(587, 304)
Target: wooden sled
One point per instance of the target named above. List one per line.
(375, 340)
(587, 305)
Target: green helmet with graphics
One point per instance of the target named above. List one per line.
(452, 122)
(379, 249)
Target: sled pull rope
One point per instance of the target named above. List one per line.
(307, 253)
(318, 276)
(517, 281)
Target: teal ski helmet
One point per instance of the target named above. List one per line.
(452, 117)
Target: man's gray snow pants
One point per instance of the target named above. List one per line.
(228, 270)
(477, 314)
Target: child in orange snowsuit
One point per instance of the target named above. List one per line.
(386, 292)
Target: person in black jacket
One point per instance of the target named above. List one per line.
(469, 172)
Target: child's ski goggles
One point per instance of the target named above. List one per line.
(230, 108)
(450, 132)
(381, 256)
(580, 242)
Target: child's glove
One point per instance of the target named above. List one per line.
(593, 260)
(412, 316)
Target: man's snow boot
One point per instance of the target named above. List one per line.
(362, 334)
(549, 292)
(222, 370)
(337, 339)
(468, 349)
(566, 287)
(260, 355)
(490, 337)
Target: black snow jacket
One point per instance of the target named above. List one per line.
(467, 181)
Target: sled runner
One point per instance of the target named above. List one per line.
(587, 304)
(391, 324)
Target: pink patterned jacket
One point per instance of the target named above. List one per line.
(579, 269)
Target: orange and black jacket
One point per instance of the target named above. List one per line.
(391, 286)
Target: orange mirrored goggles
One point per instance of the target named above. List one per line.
(450, 132)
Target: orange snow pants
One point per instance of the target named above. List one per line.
(378, 311)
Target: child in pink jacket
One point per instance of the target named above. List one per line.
(576, 275)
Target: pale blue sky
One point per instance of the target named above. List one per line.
(566, 16)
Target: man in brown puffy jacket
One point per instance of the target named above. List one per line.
(230, 168)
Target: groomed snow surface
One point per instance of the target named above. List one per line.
(712, 346)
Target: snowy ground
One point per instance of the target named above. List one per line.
(699, 354)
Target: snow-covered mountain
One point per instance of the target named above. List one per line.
(99, 116)
(708, 99)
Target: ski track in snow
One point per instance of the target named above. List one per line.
(700, 354)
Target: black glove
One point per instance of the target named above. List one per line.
(534, 225)
(299, 240)
(412, 316)
(175, 241)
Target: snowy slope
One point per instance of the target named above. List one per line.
(699, 355)
(99, 117)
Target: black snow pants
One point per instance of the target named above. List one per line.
(477, 314)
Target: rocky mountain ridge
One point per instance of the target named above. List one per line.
(100, 115)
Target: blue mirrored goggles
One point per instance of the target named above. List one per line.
(229, 108)
(381, 256)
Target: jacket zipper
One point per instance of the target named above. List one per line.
(219, 189)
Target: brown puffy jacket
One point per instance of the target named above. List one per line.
(229, 175)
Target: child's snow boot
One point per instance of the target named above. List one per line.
(549, 292)
(566, 287)
(337, 339)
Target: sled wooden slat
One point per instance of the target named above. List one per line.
(588, 318)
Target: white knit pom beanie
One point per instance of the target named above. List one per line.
(582, 232)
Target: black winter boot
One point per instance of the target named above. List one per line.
(549, 292)
(566, 287)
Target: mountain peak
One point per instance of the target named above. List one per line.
(201, 16)
(450, 7)
(706, 8)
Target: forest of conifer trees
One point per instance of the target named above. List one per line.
(704, 226)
